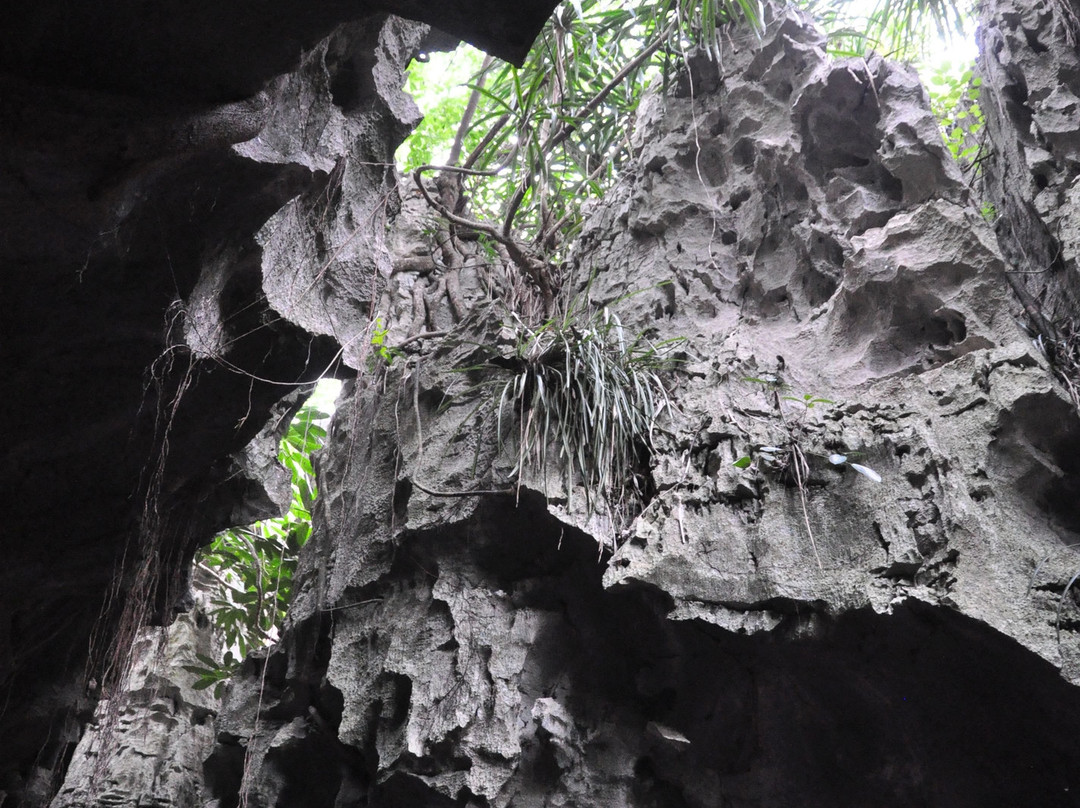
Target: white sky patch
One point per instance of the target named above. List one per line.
(441, 76)
(958, 51)
(325, 395)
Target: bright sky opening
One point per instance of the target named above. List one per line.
(957, 50)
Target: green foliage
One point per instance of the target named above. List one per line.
(807, 400)
(542, 139)
(904, 24)
(847, 34)
(899, 29)
(777, 458)
(954, 100)
(582, 386)
(439, 87)
(252, 567)
(387, 353)
(547, 136)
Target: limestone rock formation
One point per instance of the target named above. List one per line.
(752, 641)
(1029, 62)
(759, 637)
(144, 147)
(147, 745)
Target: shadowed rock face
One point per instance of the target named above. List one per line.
(153, 744)
(1030, 67)
(860, 644)
(513, 676)
(878, 645)
(207, 52)
(143, 148)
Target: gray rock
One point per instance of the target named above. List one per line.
(748, 643)
(147, 743)
(460, 640)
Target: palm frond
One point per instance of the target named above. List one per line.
(894, 28)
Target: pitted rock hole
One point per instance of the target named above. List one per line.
(351, 75)
(738, 198)
(1036, 444)
(818, 286)
(839, 125)
(923, 341)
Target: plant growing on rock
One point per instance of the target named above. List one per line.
(582, 387)
(528, 146)
(534, 142)
(789, 456)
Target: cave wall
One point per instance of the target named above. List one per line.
(806, 223)
(143, 149)
(1030, 65)
(448, 649)
(151, 739)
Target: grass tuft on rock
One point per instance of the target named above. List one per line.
(584, 388)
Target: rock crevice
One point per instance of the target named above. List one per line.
(782, 631)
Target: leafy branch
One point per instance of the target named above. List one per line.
(532, 267)
(249, 570)
(542, 138)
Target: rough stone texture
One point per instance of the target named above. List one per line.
(1031, 98)
(143, 149)
(902, 320)
(454, 649)
(157, 735)
(449, 648)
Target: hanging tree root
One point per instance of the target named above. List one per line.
(532, 267)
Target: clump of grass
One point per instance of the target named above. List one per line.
(583, 387)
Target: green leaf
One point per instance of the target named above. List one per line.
(262, 557)
(743, 462)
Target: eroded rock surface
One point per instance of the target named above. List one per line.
(457, 641)
(147, 745)
(800, 223)
(902, 320)
(1031, 98)
(144, 147)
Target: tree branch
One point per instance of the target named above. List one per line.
(470, 111)
(531, 266)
